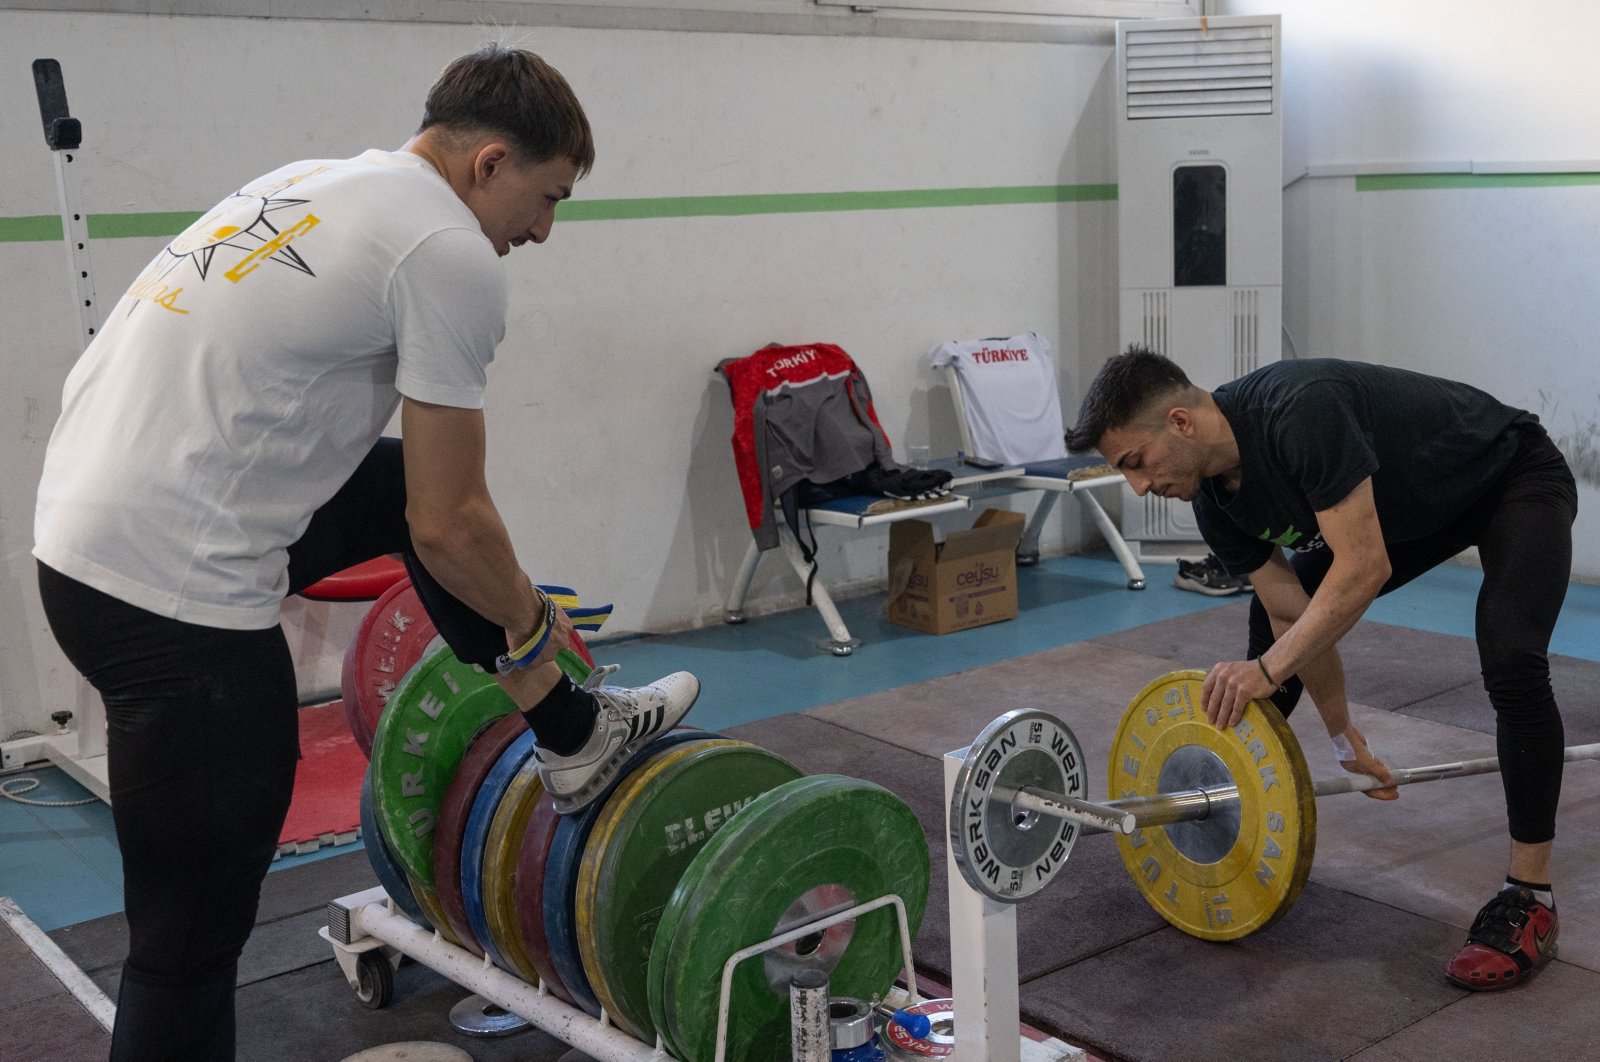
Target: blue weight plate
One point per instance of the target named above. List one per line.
(561, 873)
(476, 836)
(388, 872)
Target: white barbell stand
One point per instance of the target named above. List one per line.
(984, 980)
(80, 750)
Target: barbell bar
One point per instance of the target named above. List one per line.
(1191, 805)
(1217, 832)
(1354, 783)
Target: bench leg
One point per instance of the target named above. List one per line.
(1113, 539)
(734, 613)
(839, 642)
(1028, 548)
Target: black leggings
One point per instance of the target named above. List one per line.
(367, 519)
(1523, 531)
(202, 743)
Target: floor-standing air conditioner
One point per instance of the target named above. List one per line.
(1199, 213)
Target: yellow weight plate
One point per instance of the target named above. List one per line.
(428, 900)
(500, 854)
(1237, 871)
(598, 965)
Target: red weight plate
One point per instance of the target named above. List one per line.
(360, 582)
(348, 702)
(481, 756)
(581, 649)
(391, 638)
(536, 841)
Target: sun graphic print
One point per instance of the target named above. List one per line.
(251, 227)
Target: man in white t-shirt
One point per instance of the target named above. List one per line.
(219, 447)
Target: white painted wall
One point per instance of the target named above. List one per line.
(609, 434)
(1496, 286)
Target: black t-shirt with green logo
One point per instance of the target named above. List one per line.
(1309, 431)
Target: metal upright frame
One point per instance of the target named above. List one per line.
(368, 923)
(80, 750)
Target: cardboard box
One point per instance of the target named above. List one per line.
(969, 580)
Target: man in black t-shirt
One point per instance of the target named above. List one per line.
(1370, 476)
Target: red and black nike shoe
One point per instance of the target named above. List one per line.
(1510, 939)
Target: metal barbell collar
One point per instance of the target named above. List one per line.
(1191, 805)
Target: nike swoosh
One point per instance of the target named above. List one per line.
(1541, 941)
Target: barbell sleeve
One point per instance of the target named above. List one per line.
(1187, 805)
(1095, 818)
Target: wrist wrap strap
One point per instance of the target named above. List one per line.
(584, 619)
(529, 651)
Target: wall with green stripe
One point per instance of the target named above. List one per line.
(166, 224)
(882, 194)
(169, 223)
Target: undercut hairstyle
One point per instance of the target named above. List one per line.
(1123, 391)
(514, 94)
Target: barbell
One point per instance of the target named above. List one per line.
(1216, 827)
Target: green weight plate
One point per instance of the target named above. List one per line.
(646, 836)
(439, 707)
(500, 854)
(797, 853)
(566, 865)
(566, 856)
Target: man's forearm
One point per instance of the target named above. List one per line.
(1323, 676)
(475, 562)
(1324, 680)
(1335, 608)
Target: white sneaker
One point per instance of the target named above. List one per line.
(628, 719)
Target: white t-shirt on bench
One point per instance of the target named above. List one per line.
(1009, 389)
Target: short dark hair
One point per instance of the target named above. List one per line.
(512, 93)
(1123, 389)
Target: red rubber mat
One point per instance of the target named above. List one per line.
(326, 807)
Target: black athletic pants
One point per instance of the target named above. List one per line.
(203, 740)
(1523, 531)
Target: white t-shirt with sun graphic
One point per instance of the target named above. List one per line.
(248, 370)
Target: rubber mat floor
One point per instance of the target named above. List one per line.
(41, 1017)
(1353, 971)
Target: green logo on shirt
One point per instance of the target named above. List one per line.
(1288, 538)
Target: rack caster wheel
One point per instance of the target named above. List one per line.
(375, 980)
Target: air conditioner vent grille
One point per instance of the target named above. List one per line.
(1194, 73)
